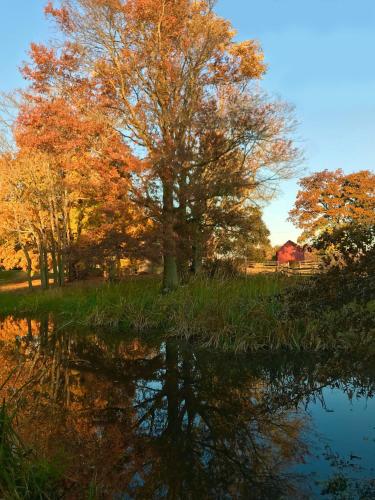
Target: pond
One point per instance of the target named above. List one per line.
(143, 417)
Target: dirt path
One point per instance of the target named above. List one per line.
(22, 286)
(19, 286)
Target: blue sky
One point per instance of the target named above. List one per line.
(321, 59)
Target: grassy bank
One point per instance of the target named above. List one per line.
(240, 313)
(226, 308)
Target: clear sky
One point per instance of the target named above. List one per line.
(321, 59)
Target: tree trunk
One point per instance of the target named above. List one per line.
(170, 275)
(54, 242)
(58, 240)
(55, 267)
(45, 257)
(61, 266)
(41, 269)
(43, 266)
(183, 231)
(112, 270)
(28, 267)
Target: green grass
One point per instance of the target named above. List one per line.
(226, 308)
(242, 313)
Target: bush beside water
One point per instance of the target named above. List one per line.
(336, 309)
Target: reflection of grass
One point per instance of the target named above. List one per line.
(22, 476)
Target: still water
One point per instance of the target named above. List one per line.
(149, 418)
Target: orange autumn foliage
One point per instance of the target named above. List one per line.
(156, 139)
(330, 199)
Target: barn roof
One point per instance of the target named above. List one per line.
(291, 243)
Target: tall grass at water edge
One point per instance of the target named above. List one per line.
(241, 313)
(220, 306)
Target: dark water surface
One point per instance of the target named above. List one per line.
(160, 419)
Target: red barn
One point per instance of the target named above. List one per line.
(290, 252)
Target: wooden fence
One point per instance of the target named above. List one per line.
(306, 268)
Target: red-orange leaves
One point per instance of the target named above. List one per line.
(49, 68)
(44, 61)
(329, 199)
(60, 15)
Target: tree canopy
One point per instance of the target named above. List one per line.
(331, 199)
(153, 135)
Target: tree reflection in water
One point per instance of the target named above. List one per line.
(151, 420)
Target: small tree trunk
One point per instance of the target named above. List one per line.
(29, 277)
(43, 266)
(112, 270)
(28, 268)
(61, 269)
(41, 269)
(55, 268)
(45, 257)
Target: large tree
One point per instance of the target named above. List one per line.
(173, 81)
